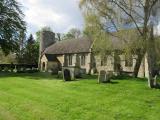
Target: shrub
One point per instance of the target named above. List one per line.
(32, 71)
(1, 68)
(6, 69)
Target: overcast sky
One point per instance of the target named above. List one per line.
(60, 15)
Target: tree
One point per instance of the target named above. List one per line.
(11, 22)
(10, 58)
(21, 47)
(115, 15)
(73, 33)
(31, 52)
(59, 36)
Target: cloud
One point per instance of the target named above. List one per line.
(59, 15)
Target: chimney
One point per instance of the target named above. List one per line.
(47, 38)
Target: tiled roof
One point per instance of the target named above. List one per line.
(80, 45)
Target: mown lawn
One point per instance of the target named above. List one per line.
(43, 97)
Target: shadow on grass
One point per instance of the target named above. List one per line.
(114, 79)
(33, 76)
(113, 82)
(76, 80)
(42, 76)
(48, 76)
(130, 78)
(89, 77)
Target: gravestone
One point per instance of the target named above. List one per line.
(66, 75)
(60, 74)
(104, 77)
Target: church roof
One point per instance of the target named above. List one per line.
(80, 45)
(118, 41)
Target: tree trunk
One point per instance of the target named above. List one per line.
(150, 70)
(150, 66)
(138, 64)
(151, 58)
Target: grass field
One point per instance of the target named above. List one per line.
(43, 97)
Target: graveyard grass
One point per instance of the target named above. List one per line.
(40, 96)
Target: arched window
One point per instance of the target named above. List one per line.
(83, 60)
(70, 59)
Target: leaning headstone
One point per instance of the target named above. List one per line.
(59, 74)
(102, 76)
(66, 75)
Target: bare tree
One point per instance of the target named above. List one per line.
(113, 15)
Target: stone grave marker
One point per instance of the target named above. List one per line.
(102, 76)
(66, 75)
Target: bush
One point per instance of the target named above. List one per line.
(1, 69)
(32, 71)
(19, 68)
(60, 74)
(6, 69)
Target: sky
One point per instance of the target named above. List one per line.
(60, 15)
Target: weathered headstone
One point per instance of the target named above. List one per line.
(102, 76)
(60, 74)
(66, 75)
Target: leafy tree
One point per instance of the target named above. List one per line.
(31, 52)
(11, 22)
(7, 59)
(115, 15)
(59, 36)
(73, 33)
(38, 36)
(21, 47)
